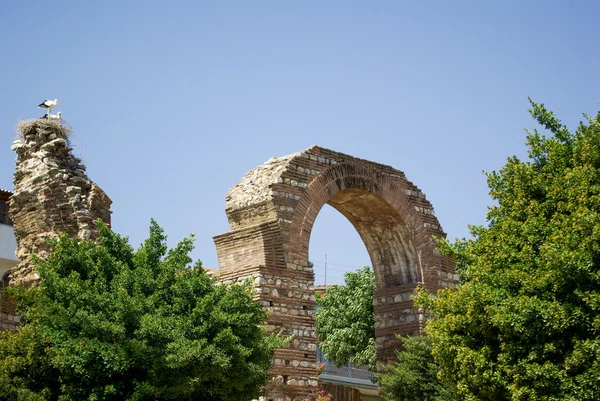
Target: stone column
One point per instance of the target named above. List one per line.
(286, 290)
(52, 194)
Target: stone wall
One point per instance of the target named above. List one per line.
(8, 313)
(52, 194)
(271, 212)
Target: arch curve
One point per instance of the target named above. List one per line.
(376, 207)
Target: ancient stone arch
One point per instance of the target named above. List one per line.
(271, 212)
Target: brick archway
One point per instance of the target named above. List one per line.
(271, 212)
(377, 209)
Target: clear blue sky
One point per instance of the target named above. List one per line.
(172, 102)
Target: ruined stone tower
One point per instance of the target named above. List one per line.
(52, 194)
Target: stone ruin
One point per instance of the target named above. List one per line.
(52, 194)
(271, 212)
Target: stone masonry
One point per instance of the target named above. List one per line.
(52, 194)
(271, 212)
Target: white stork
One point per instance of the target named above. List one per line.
(48, 104)
(57, 116)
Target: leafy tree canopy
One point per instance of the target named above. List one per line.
(345, 320)
(111, 323)
(525, 323)
(414, 376)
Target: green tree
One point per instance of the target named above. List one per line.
(345, 320)
(414, 376)
(111, 323)
(525, 323)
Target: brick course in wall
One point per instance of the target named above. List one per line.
(271, 212)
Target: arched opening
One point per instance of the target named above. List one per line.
(335, 248)
(384, 233)
(390, 251)
(5, 280)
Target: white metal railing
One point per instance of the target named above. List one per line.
(346, 374)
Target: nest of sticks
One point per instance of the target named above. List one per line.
(41, 129)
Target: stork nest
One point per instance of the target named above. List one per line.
(40, 129)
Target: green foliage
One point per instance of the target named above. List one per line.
(458, 251)
(345, 320)
(414, 376)
(525, 323)
(111, 323)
